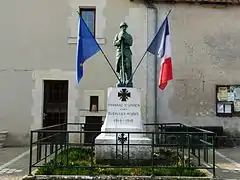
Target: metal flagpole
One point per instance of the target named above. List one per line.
(146, 51)
(101, 50)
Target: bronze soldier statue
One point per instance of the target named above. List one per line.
(123, 41)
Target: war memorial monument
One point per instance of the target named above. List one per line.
(123, 116)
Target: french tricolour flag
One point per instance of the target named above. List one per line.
(161, 47)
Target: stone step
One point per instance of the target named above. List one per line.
(3, 136)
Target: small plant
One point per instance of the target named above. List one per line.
(77, 161)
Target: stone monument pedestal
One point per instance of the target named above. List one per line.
(123, 118)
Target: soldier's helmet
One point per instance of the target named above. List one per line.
(123, 24)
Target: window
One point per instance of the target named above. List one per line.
(89, 16)
(94, 103)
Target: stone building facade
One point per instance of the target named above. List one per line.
(38, 46)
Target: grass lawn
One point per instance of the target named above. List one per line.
(79, 163)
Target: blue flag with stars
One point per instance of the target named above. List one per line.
(87, 46)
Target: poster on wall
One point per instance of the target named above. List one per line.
(237, 106)
(231, 89)
(222, 93)
(228, 108)
(231, 96)
(220, 108)
(236, 92)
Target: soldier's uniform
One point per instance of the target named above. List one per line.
(127, 53)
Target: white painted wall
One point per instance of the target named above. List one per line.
(33, 38)
(35, 44)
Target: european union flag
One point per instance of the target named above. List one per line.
(87, 46)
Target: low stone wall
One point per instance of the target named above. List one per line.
(228, 139)
(62, 177)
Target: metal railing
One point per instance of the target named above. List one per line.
(188, 143)
(202, 141)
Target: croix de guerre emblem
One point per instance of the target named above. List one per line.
(122, 138)
(124, 95)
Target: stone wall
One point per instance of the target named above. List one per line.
(205, 45)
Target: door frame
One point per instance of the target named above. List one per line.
(37, 94)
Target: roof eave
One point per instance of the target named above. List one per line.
(194, 1)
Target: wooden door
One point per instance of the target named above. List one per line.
(55, 106)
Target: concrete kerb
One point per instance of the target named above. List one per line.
(63, 177)
(79, 177)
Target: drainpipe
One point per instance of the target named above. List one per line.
(152, 6)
